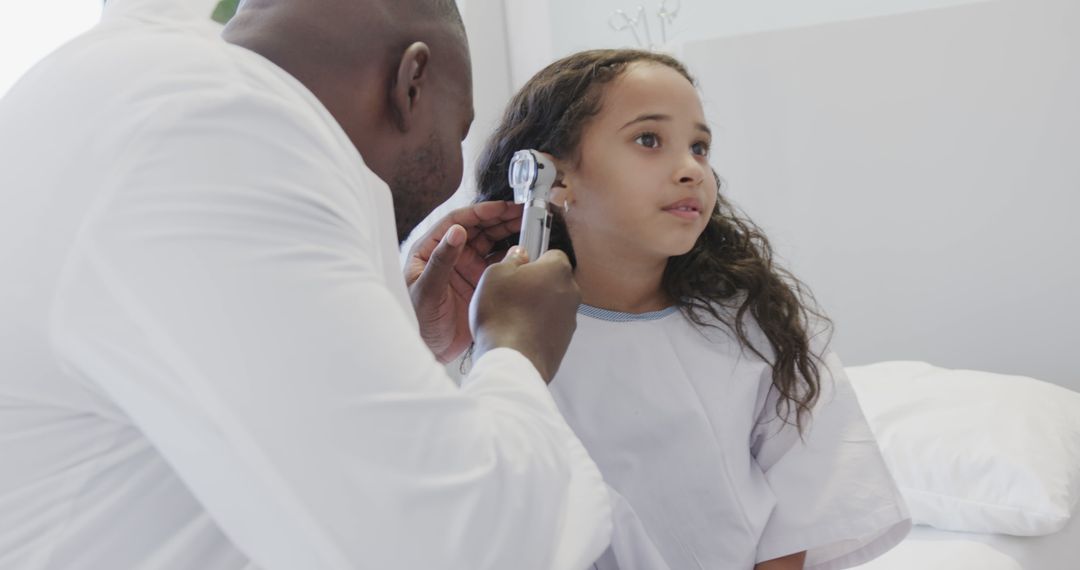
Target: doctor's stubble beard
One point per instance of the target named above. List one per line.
(419, 185)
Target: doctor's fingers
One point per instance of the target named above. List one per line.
(482, 215)
(557, 261)
(496, 232)
(476, 219)
(440, 264)
(471, 265)
(483, 242)
(490, 212)
(462, 287)
(477, 255)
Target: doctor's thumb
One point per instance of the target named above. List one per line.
(516, 256)
(446, 254)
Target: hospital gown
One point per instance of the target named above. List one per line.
(703, 472)
(208, 358)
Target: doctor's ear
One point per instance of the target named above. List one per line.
(409, 84)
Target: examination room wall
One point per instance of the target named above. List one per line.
(917, 162)
(921, 172)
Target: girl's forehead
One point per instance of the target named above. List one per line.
(651, 88)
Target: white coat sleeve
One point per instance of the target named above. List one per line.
(225, 294)
(631, 546)
(835, 498)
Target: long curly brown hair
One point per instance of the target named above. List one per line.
(727, 275)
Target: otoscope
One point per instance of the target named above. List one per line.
(531, 177)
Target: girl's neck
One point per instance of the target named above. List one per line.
(618, 284)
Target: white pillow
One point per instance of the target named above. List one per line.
(975, 451)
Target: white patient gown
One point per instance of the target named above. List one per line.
(702, 472)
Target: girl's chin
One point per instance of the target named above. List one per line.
(675, 250)
(678, 241)
(649, 249)
(680, 247)
(681, 252)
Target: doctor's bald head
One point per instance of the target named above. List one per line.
(395, 74)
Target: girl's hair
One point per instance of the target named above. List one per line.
(728, 273)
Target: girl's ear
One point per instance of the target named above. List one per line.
(562, 192)
(561, 196)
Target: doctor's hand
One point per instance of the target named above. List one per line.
(530, 307)
(444, 268)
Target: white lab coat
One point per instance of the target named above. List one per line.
(705, 475)
(208, 358)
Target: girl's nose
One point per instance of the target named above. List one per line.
(690, 171)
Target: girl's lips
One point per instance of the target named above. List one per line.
(688, 209)
(685, 214)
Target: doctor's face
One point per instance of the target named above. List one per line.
(642, 187)
(429, 173)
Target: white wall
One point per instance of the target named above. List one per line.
(574, 25)
(31, 29)
(921, 172)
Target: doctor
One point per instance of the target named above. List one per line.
(208, 356)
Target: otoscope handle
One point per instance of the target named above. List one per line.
(535, 229)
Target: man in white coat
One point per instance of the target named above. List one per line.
(208, 356)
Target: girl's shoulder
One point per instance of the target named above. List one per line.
(723, 325)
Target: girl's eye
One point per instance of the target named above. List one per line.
(700, 148)
(648, 140)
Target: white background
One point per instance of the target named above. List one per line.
(31, 29)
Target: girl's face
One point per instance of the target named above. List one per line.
(642, 188)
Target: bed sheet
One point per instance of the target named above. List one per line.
(927, 548)
(1058, 551)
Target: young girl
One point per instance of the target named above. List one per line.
(697, 378)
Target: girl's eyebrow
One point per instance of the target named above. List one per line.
(662, 117)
